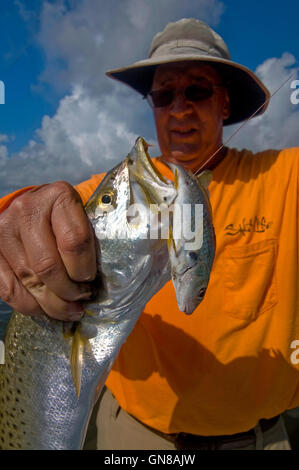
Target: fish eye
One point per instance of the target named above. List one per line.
(202, 293)
(106, 199)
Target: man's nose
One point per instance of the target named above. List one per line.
(180, 105)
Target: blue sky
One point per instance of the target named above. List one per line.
(256, 30)
(21, 62)
(59, 105)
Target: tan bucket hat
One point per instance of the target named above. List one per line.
(192, 39)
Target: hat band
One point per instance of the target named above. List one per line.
(186, 46)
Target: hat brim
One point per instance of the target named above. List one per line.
(247, 93)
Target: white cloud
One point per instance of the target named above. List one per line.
(98, 119)
(81, 44)
(3, 149)
(81, 139)
(3, 154)
(278, 127)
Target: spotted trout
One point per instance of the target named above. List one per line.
(52, 374)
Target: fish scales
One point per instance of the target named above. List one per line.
(39, 406)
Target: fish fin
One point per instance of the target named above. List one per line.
(89, 312)
(171, 242)
(68, 329)
(176, 179)
(87, 346)
(76, 359)
(67, 334)
(205, 178)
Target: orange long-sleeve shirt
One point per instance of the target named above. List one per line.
(229, 364)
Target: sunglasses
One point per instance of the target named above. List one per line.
(164, 97)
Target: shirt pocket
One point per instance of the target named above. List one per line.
(249, 279)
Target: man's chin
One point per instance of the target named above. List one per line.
(189, 160)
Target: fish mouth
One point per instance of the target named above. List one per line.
(192, 303)
(183, 273)
(156, 187)
(143, 162)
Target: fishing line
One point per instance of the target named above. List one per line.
(245, 122)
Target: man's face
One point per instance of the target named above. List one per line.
(189, 132)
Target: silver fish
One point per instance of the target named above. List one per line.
(40, 408)
(192, 249)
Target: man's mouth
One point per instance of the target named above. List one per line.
(183, 133)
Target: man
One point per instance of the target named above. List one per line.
(220, 378)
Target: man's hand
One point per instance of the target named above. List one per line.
(47, 253)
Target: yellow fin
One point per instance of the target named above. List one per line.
(76, 359)
(89, 312)
(68, 329)
(67, 334)
(171, 242)
(176, 179)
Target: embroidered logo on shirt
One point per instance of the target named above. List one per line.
(258, 224)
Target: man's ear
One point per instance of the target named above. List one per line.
(226, 105)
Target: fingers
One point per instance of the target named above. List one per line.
(46, 245)
(13, 293)
(32, 297)
(75, 238)
(50, 303)
(46, 263)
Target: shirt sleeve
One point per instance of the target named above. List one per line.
(86, 188)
